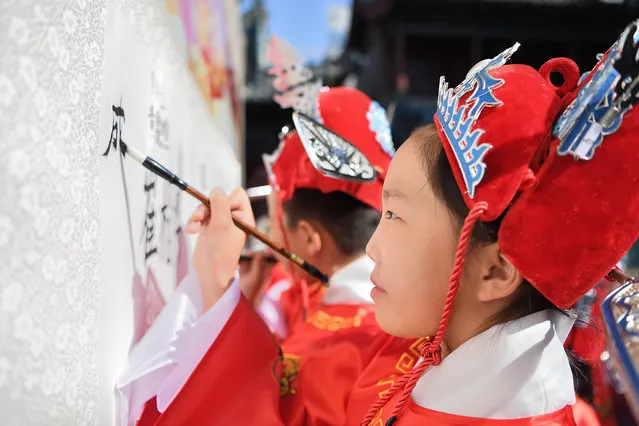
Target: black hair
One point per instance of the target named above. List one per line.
(349, 222)
(527, 299)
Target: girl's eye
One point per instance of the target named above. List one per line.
(389, 215)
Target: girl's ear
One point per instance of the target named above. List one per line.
(498, 277)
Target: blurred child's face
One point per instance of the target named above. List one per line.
(413, 248)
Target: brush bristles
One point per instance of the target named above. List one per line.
(132, 152)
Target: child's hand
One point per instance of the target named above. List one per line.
(255, 274)
(220, 242)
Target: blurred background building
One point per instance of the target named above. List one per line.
(396, 50)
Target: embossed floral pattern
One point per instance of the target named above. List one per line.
(50, 82)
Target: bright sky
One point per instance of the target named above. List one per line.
(307, 23)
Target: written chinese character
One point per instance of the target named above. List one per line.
(116, 129)
(159, 126)
(170, 226)
(148, 235)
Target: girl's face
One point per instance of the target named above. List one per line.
(413, 248)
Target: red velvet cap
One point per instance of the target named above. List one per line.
(493, 124)
(569, 231)
(566, 178)
(352, 115)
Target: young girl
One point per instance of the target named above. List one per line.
(527, 197)
(526, 185)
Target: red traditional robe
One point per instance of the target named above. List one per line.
(512, 374)
(338, 363)
(244, 379)
(585, 414)
(340, 327)
(415, 415)
(281, 304)
(309, 382)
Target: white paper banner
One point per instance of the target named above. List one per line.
(149, 105)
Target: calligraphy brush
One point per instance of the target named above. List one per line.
(155, 167)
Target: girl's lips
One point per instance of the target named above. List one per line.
(374, 281)
(377, 292)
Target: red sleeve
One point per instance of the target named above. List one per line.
(243, 380)
(235, 383)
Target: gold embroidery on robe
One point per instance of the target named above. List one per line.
(324, 321)
(377, 420)
(290, 368)
(404, 364)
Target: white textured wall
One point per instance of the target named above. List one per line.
(50, 71)
(60, 341)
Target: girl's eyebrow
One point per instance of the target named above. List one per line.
(388, 193)
(393, 193)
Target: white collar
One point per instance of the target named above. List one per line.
(352, 284)
(514, 370)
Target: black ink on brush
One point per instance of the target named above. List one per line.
(155, 167)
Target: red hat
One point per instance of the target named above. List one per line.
(342, 143)
(570, 193)
(565, 180)
(342, 140)
(582, 216)
(492, 125)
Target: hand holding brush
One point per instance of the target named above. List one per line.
(155, 167)
(220, 242)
